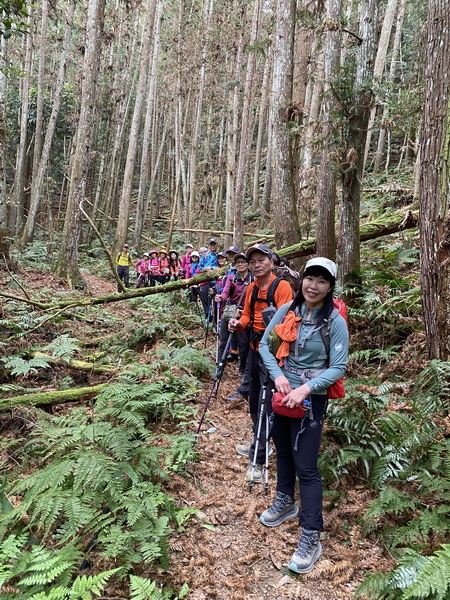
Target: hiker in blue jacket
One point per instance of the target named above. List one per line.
(303, 379)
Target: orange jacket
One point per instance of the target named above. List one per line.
(283, 294)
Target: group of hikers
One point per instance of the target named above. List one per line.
(292, 349)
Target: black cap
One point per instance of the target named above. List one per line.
(233, 249)
(212, 241)
(222, 255)
(239, 255)
(259, 248)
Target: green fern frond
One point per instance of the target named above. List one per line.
(22, 367)
(63, 347)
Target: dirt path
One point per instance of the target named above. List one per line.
(229, 554)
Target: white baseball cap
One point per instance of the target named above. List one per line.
(325, 263)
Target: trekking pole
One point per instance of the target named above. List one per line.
(269, 423)
(217, 329)
(261, 416)
(208, 316)
(215, 384)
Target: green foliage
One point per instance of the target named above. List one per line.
(416, 577)
(20, 366)
(99, 473)
(398, 444)
(13, 14)
(145, 589)
(63, 347)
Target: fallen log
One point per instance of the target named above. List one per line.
(369, 231)
(80, 365)
(379, 228)
(56, 397)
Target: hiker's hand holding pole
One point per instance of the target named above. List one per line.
(235, 325)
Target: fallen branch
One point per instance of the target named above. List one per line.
(381, 227)
(58, 397)
(80, 365)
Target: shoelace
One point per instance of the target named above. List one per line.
(305, 545)
(279, 504)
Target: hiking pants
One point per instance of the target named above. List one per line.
(297, 442)
(124, 275)
(239, 341)
(258, 376)
(206, 301)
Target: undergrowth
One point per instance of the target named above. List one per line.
(392, 438)
(84, 506)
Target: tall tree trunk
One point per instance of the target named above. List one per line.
(206, 18)
(327, 170)
(40, 88)
(262, 122)
(19, 180)
(3, 90)
(286, 225)
(380, 62)
(244, 146)
(434, 183)
(149, 116)
(67, 261)
(127, 184)
(232, 126)
(392, 72)
(37, 183)
(353, 159)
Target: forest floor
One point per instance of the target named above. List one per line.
(225, 552)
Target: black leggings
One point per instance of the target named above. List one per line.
(297, 442)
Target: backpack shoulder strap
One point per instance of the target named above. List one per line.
(325, 332)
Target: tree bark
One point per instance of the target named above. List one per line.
(434, 183)
(286, 224)
(3, 139)
(353, 159)
(127, 184)
(19, 179)
(149, 116)
(328, 167)
(67, 262)
(380, 62)
(37, 183)
(244, 145)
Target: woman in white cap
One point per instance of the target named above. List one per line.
(308, 364)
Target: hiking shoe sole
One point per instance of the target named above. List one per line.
(289, 515)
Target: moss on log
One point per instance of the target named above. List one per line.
(369, 231)
(58, 397)
(81, 365)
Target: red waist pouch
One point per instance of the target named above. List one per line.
(281, 409)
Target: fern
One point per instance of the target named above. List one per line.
(146, 589)
(63, 347)
(415, 578)
(20, 366)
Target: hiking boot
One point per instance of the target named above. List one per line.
(244, 449)
(233, 398)
(283, 508)
(254, 474)
(233, 356)
(308, 551)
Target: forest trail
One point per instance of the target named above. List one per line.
(225, 553)
(228, 554)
